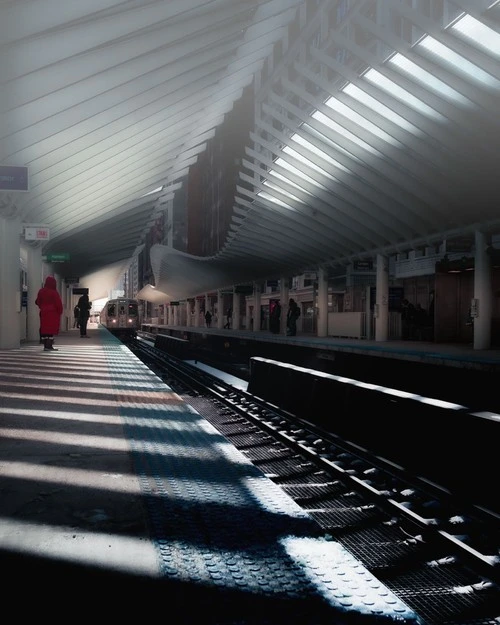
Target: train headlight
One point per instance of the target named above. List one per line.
(113, 320)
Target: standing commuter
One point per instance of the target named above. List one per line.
(291, 317)
(84, 305)
(76, 317)
(275, 318)
(407, 319)
(208, 318)
(229, 316)
(50, 304)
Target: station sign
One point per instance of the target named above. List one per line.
(243, 289)
(363, 265)
(13, 178)
(36, 233)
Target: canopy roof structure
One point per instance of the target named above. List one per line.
(377, 127)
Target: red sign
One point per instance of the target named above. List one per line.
(36, 233)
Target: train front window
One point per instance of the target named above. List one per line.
(111, 310)
(132, 310)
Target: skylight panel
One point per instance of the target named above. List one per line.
(331, 144)
(298, 174)
(341, 108)
(395, 91)
(157, 190)
(324, 119)
(459, 63)
(271, 198)
(369, 101)
(428, 80)
(274, 186)
(478, 34)
(312, 148)
(299, 157)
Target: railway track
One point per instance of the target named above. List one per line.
(434, 550)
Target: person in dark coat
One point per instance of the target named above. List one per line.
(50, 304)
(84, 305)
(76, 317)
(208, 318)
(407, 319)
(291, 317)
(229, 317)
(275, 318)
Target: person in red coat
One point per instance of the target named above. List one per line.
(50, 304)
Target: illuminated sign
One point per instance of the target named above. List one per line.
(36, 233)
(56, 258)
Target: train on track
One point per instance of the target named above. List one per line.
(121, 317)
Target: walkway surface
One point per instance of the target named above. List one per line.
(117, 499)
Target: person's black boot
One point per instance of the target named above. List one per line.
(49, 346)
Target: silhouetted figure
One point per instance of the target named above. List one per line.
(275, 318)
(208, 318)
(76, 317)
(291, 317)
(407, 319)
(229, 318)
(84, 305)
(421, 322)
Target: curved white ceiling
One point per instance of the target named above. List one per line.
(377, 132)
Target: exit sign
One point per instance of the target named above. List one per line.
(56, 258)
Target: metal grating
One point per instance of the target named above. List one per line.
(345, 518)
(444, 594)
(309, 494)
(245, 441)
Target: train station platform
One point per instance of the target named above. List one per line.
(452, 372)
(459, 355)
(117, 499)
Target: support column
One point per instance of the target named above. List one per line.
(34, 269)
(322, 329)
(482, 293)
(368, 313)
(66, 293)
(176, 315)
(196, 312)
(382, 303)
(248, 316)
(207, 307)
(284, 295)
(256, 306)
(236, 325)
(220, 310)
(10, 294)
